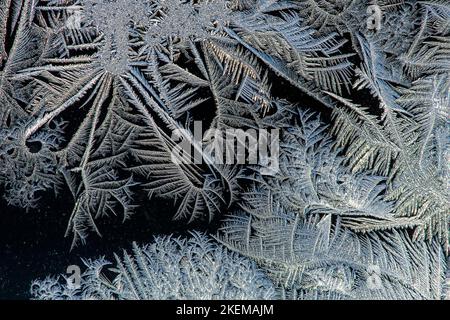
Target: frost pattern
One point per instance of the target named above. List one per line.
(131, 93)
(168, 269)
(373, 187)
(311, 228)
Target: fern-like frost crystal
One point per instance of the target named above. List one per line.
(168, 269)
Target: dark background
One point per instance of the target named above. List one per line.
(33, 246)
